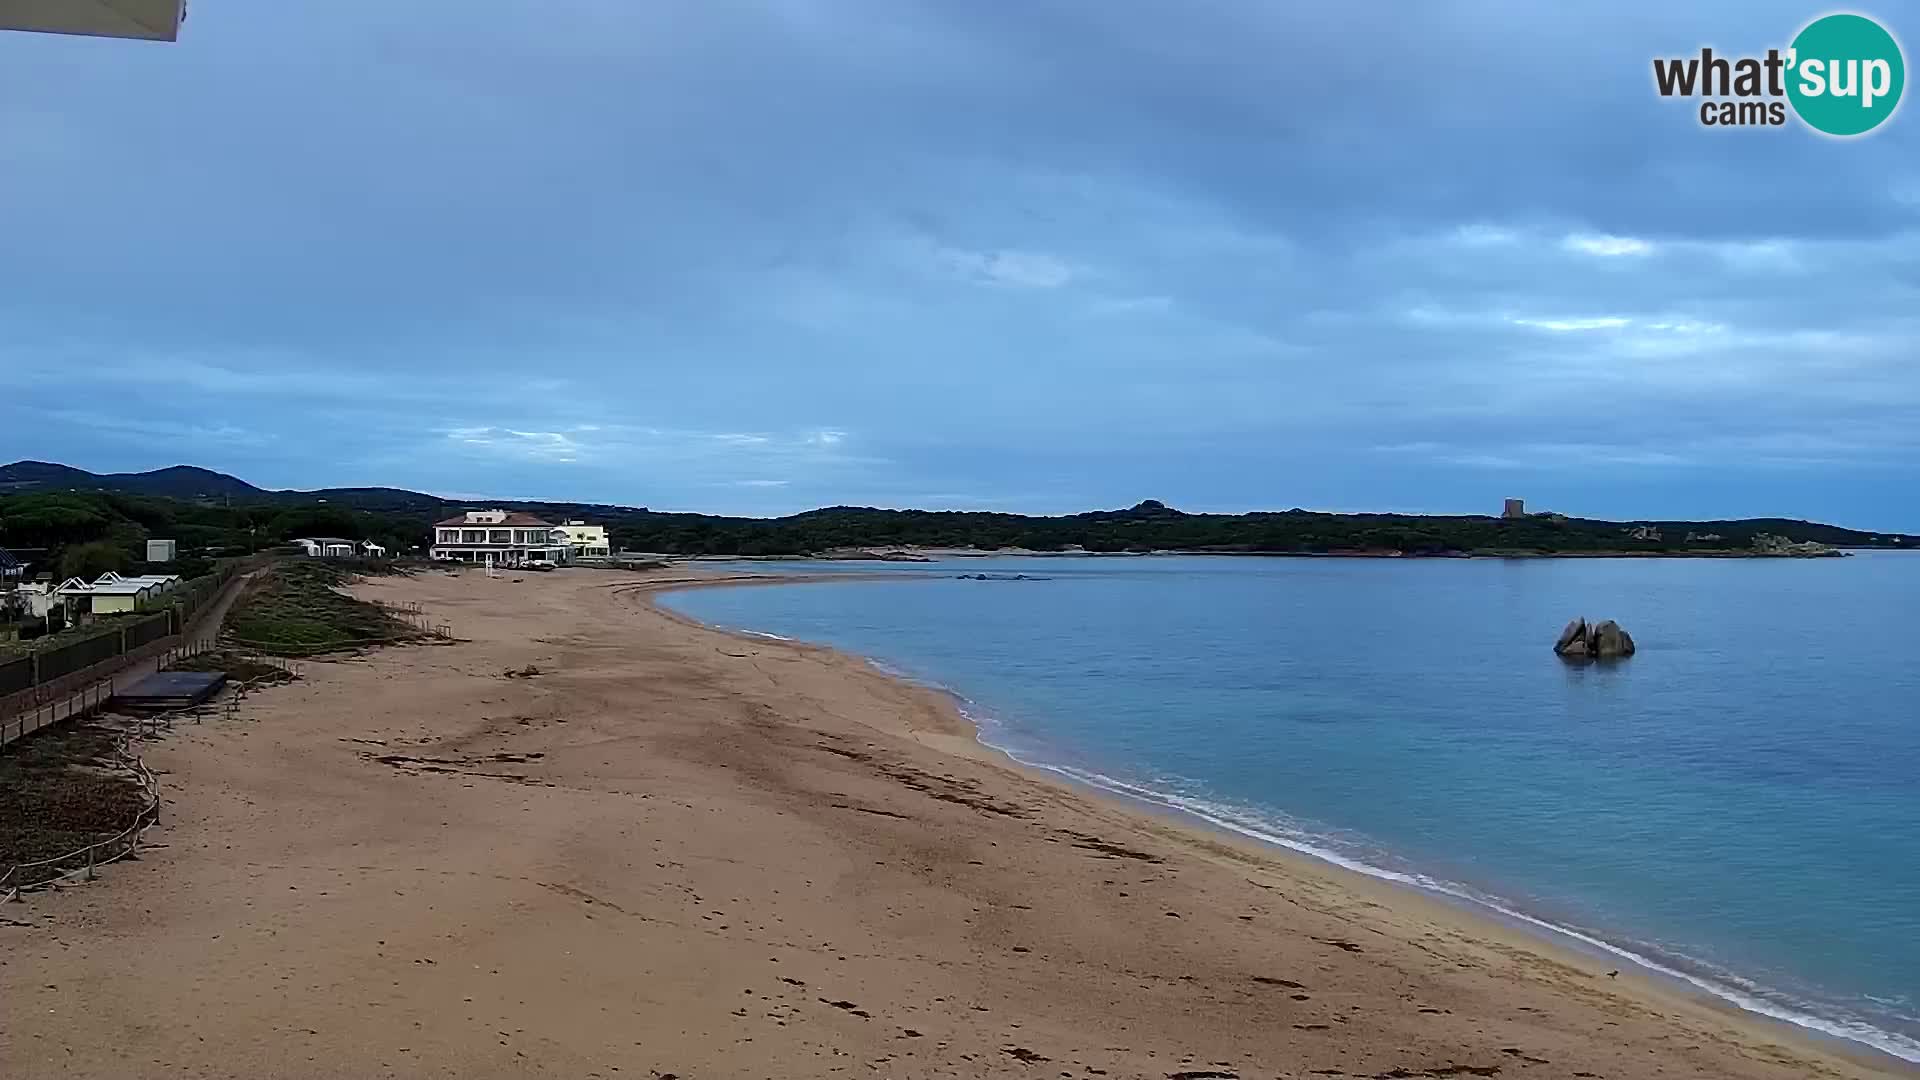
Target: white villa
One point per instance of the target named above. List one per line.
(500, 537)
(587, 541)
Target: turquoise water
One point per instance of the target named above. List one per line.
(1737, 805)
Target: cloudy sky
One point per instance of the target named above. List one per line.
(766, 255)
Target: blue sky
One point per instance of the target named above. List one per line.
(1042, 257)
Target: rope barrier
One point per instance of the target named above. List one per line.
(127, 841)
(115, 848)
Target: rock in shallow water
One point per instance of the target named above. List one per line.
(1582, 640)
(1575, 631)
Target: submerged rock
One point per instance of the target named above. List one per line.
(1582, 640)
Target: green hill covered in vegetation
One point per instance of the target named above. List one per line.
(86, 529)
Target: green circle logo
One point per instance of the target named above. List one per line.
(1846, 74)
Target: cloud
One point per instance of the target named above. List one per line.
(729, 245)
(1769, 254)
(131, 428)
(1013, 269)
(1605, 322)
(1606, 246)
(543, 446)
(1131, 305)
(1481, 235)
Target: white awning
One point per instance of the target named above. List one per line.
(149, 20)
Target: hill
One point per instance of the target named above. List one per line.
(47, 506)
(190, 482)
(1152, 526)
(174, 482)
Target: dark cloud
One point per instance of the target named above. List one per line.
(1040, 256)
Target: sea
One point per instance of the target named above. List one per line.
(1736, 806)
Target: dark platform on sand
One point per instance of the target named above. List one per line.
(170, 690)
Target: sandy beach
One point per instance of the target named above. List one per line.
(658, 850)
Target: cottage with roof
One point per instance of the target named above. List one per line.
(104, 597)
(501, 538)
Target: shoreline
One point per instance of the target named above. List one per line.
(1659, 975)
(593, 837)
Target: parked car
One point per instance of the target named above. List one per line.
(542, 564)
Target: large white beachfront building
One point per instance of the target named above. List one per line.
(500, 537)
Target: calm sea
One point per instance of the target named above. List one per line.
(1737, 805)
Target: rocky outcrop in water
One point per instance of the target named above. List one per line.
(1582, 640)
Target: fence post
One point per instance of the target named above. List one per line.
(90, 850)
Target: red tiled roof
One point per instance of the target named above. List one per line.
(514, 520)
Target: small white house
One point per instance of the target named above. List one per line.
(328, 547)
(162, 550)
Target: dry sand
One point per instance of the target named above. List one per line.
(677, 852)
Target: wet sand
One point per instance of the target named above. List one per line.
(675, 851)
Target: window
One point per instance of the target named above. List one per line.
(501, 536)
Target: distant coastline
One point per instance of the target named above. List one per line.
(45, 507)
(920, 554)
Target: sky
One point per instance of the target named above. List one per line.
(768, 255)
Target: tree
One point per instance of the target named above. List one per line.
(316, 521)
(89, 561)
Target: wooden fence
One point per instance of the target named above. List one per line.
(68, 691)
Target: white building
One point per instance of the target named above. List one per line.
(501, 538)
(37, 597)
(328, 547)
(162, 550)
(112, 594)
(587, 541)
